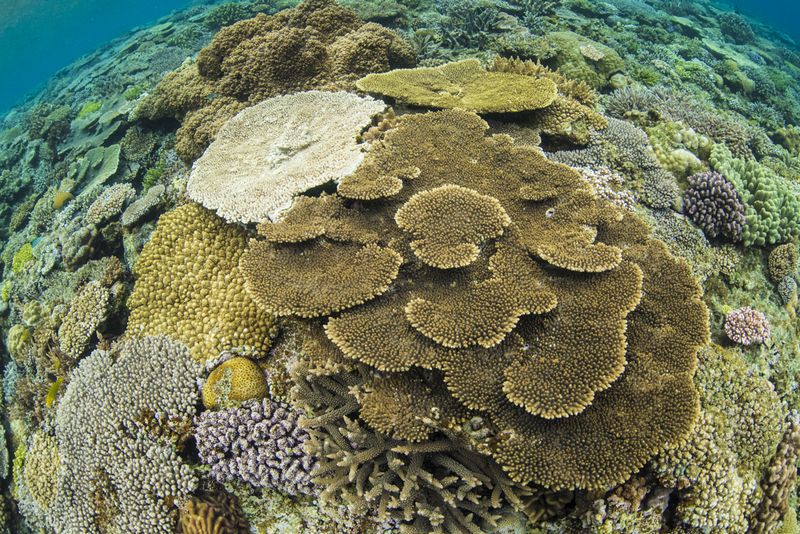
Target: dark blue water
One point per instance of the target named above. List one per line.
(784, 15)
(39, 37)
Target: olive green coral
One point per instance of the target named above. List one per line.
(463, 84)
(570, 327)
(41, 469)
(189, 286)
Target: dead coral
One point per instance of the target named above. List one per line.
(570, 327)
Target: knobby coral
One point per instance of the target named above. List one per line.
(568, 326)
(189, 286)
(747, 326)
(278, 148)
(316, 45)
(116, 475)
(711, 202)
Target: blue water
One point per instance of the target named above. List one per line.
(39, 37)
(783, 15)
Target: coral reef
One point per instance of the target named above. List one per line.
(747, 326)
(482, 329)
(188, 278)
(278, 148)
(711, 203)
(317, 45)
(115, 473)
(260, 443)
(234, 381)
(87, 310)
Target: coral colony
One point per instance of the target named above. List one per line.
(418, 267)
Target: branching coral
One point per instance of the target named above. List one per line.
(711, 202)
(279, 148)
(109, 203)
(87, 310)
(115, 475)
(317, 45)
(552, 334)
(189, 286)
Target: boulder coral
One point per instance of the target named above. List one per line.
(235, 380)
(316, 45)
(282, 146)
(568, 326)
(189, 286)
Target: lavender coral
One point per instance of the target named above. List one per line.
(711, 202)
(747, 326)
(261, 443)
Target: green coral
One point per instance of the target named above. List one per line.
(22, 258)
(580, 58)
(772, 208)
(679, 148)
(133, 92)
(88, 108)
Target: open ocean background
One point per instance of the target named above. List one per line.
(39, 37)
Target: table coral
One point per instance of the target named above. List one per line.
(572, 292)
(463, 84)
(278, 148)
(189, 286)
(316, 45)
(115, 475)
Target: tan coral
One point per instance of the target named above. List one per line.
(214, 513)
(87, 310)
(572, 326)
(233, 381)
(189, 286)
(279, 148)
(449, 223)
(463, 84)
(41, 469)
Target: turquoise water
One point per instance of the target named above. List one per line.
(39, 37)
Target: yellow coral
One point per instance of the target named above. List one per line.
(463, 84)
(189, 286)
(22, 258)
(40, 470)
(235, 380)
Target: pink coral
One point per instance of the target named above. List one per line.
(747, 326)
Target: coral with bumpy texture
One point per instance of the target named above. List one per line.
(116, 476)
(782, 261)
(260, 443)
(87, 310)
(235, 380)
(551, 334)
(736, 27)
(747, 326)
(316, 45)
(464, 84)
(711, 203)
(772, 203)
(41, 469)
(215, 513)
(278, 148)
(109, 203)
(189, 286)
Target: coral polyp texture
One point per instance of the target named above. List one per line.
(115, 473)
(711, 202)
(189, 286)
(464, 84)
(747, 326)
(278, 148)
(555, 322)
(316, 45)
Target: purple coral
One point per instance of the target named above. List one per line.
(747, 326)
(260, 442)
(711, 202)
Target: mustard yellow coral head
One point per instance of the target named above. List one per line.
(463, 84)
(235, 380)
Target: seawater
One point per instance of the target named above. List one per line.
(39, 37)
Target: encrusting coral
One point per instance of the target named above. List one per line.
(570, 327)
(464, 84)
(282, 146)
(189, 286)
(316, 45)
(117, 474)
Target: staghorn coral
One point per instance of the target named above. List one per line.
(711, 203)
(235, 380)
(189, 286)
(316, 45)
(278, 148)
(621, 309)
(259, 443)
(116, 475)
(87, 310)
(463, 84)
(110, 203)
(747, 326)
